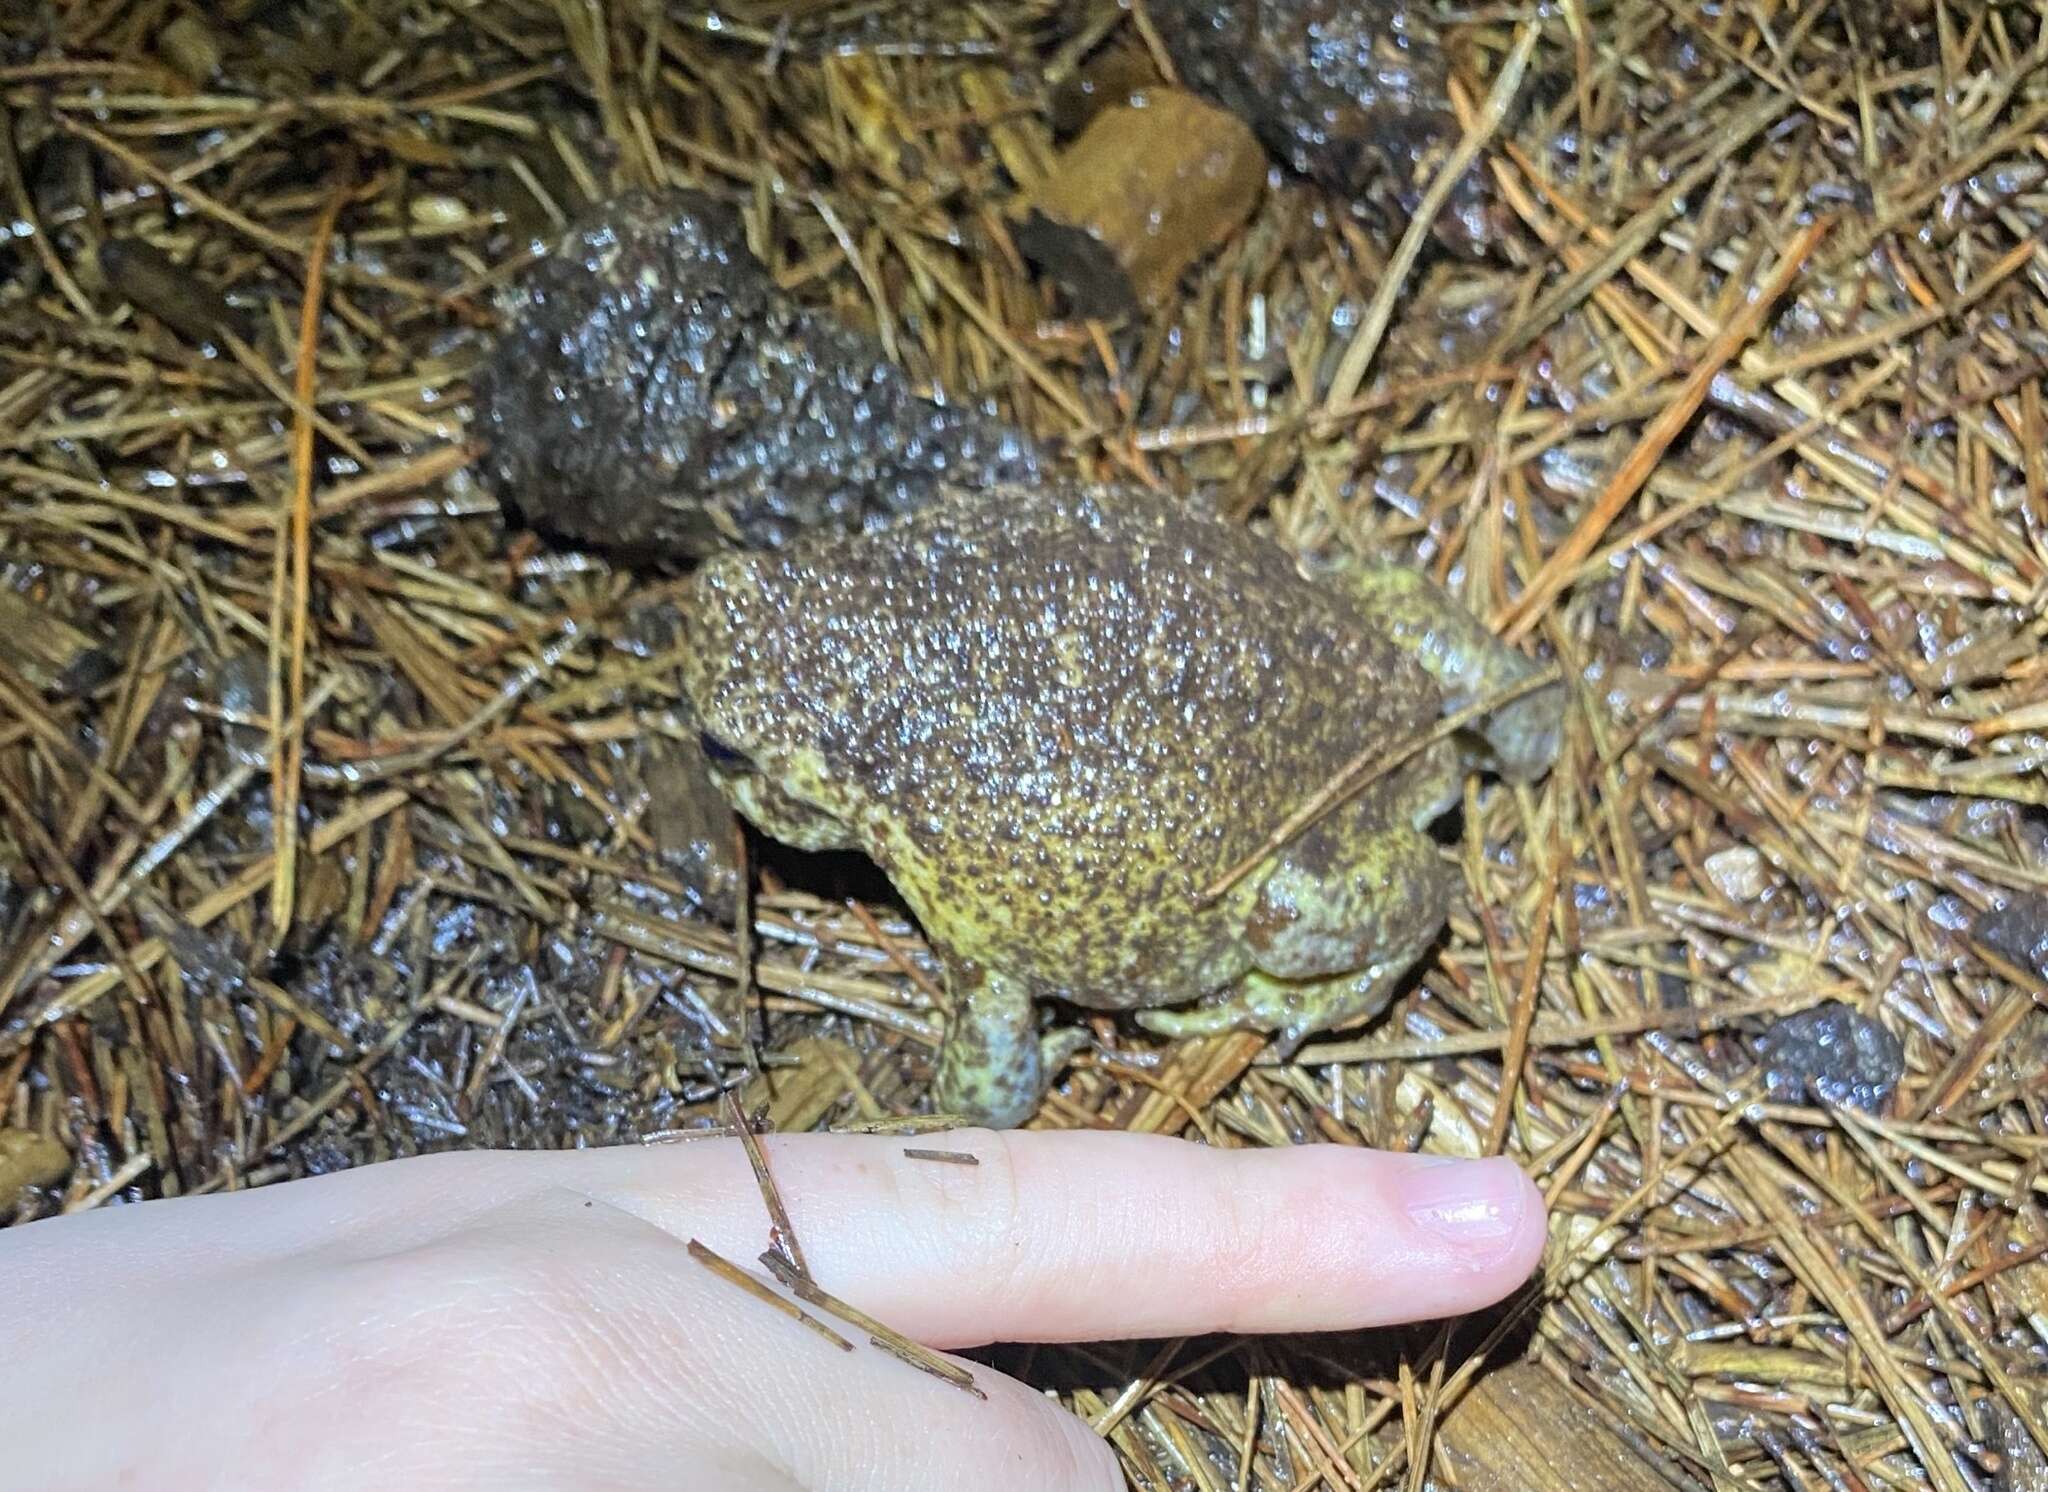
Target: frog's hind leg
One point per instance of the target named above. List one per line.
(1467, 661)
(1294, 1009)
(1331, 946)
(993, 1066)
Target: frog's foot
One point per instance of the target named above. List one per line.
(1212, 1018)
(1468, 662)
(1057, 1048)
(992, 1065)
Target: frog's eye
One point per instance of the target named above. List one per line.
(721, 755)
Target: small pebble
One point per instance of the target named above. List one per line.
(29, 1159)
(1739, 873)
(190, 46)
(438, 210)
(1832, 1053)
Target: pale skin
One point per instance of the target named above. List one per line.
(495, 1320)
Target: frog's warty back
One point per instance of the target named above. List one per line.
(1055, 709)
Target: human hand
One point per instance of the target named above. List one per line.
(534, 1320)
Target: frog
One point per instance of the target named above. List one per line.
(1056, 714)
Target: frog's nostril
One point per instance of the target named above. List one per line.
(722, 754)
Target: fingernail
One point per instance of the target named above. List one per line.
(1475, 1207)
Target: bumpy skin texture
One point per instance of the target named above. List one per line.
(1352, 94)
(1052, 716)
(653, 393)
(1835, 1053)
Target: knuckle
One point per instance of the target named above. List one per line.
(975, 1215)
(476, 1318)
(989, 1199)
(1232, 1243)
(980, 1200)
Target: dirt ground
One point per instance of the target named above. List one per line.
(347, 818)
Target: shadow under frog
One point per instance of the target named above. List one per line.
(1053, 715)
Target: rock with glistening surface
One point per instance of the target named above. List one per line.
(1832, 1053)
(653, 393)
(1354, 96)
(2017, 931)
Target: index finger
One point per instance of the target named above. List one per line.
(1088, 1236)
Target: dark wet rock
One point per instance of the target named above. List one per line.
(2017, 931)
(1354, 96)
(1832, 1053)
(654, 393)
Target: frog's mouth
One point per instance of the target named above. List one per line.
(764, 798)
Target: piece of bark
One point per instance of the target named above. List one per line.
(1147, 188)
(47, 650)
(798, 1096)
(690, 821)
(1520, 1430)
(151, 280)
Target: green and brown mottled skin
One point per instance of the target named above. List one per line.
(1053, 715)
